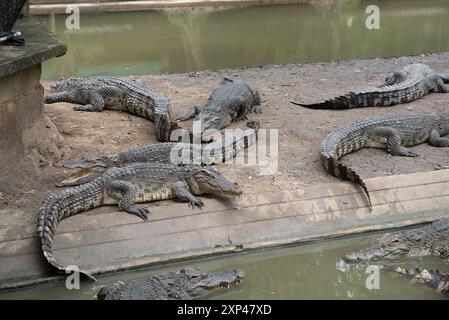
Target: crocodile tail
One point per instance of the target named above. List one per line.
(351, 100)
(434, 279)
(337, 169)
(60, 206)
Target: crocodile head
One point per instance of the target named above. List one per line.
(200, 282)
(388, 246)
(210, 180)
(212, 121)
(111, 292)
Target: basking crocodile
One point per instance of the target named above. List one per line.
(231, 101)
(167, 152)
(99, 92)
(127, 186)
(393, 132)
(431, 239)
(434, 279)
(409, 84)
(186, 284)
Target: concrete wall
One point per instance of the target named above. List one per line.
(21, 107)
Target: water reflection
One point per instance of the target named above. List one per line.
(159, 42)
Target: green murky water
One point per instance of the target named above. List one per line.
(158, 42)
(301, 272)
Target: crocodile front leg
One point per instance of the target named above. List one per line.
(436, 141)
(394, 146)
(183, 194)
(439, 82)
(193, 112)
(128, 193)
(63, 96)
(96, 103)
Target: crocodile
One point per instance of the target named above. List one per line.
(231, 101)
(128, 186)
(409, 84)
(167, 152)
(434, 279)
(185, 284)
(432, 239)
(394, 132)
(100, 92)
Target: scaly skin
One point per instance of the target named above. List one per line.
(186, 284)
(127, 186)
(434, 279)
(168, 153)
(97, 93)
(432, 239)
(409, 84)
(393, 132)
(231, 101)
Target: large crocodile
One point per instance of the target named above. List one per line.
(393, 132)
(432, 239)
(168, 152)
(99, 92)
(186, 284)
(409, 84)
(231, 101)
(127, 186)
(434, 279)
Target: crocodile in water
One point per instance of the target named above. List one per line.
(186, 284)
(433, 279)
(432, 239)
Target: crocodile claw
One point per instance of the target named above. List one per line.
(196, 202)
(140, 211)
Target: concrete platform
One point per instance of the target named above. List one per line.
(59, 6)
(299, 203)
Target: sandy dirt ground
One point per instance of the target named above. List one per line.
(301, 130)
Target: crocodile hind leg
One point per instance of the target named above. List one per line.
(394, 146)
(128, 193)
(436, 141)
(183, 194)
(193, 112)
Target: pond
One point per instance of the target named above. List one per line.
(301, 272)
(139, 43)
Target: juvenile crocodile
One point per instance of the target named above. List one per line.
(127, 186)
(231, 101)
(167, 152)
(393, 132)
(434, 279)
(186, 284)
(409, 84)
(432, 239)
(99, 92)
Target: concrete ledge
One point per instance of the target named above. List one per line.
(145, 5)
(104, 240)
(40, 45)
